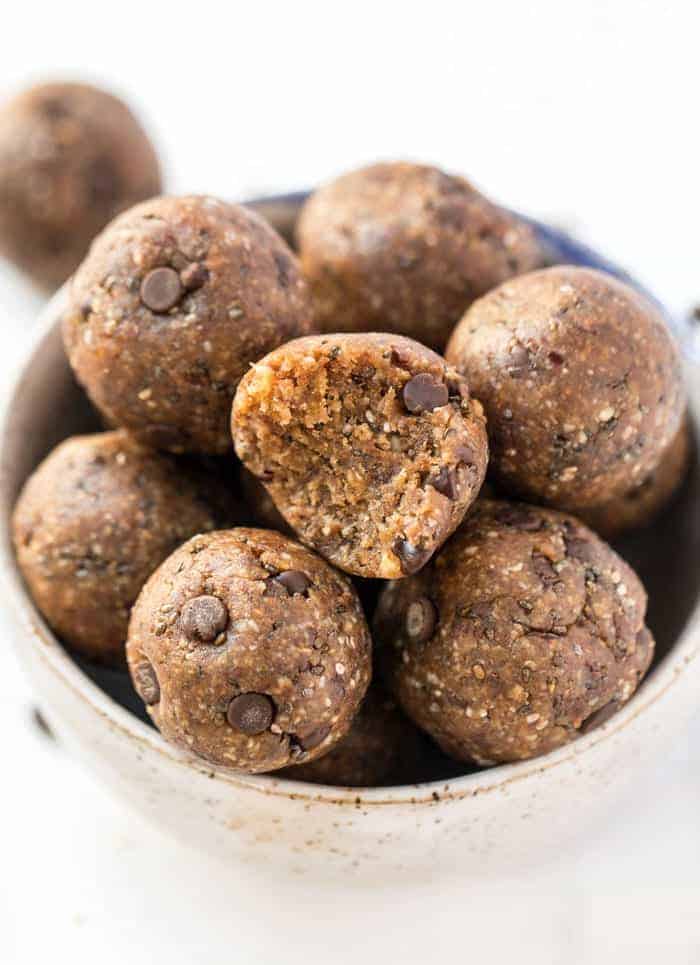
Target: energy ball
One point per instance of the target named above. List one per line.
(71, 158)
(382, 747)
(249, 650)
(525, 630)
(369, 445)
(91, 524)
(642, 504)
(405, 248)
(174, 301)
(581, 383)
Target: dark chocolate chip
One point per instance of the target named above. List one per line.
(480, 611)
(203, 618)
(251, 713)
(400, 358)
(420, 619)
(518, 362)
(580, 549)
(413, 558)
(600, 717)
(445, 481)
(161, 289)
(194, 276)
(294, 581)
(544, 569)
(316, 737)
(146, 682)
(465, 455)
(556, 359)
(283, 263)
(423, 393)
(520, 518)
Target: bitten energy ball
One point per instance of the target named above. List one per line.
(642, 504)
(368, 444)
(382, 747)
(525, 630)
(580, 380)
(406, 248)
(71, 158)
(175, 300)
(94, 520)
(249, 650)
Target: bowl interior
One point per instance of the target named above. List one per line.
(47, 406)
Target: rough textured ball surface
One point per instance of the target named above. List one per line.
(283, 676)
(381, 748)
(94, 520)
(581, 383)
(71, 158)
(405, 248)
(369, 445)
(524, 631)
(643, 504)
(174, 301)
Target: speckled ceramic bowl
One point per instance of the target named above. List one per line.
(486, 822)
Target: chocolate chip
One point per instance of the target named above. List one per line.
(556, 359)
(480, 611)
(203, 618)
(315, 738)
(194, 276)
(283, 263)
(294, 581)
(400, 358)
(146, 682)
(465, 455)
(420, 619)
(251, 713)
(518, 361)
(520, 518)
(413, 558)
(423, 393)
(580, 549)
(544, 569)
(161, 289)
(445, 481)
(600, 717)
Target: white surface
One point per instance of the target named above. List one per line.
(583, 113)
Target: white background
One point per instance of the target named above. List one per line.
(584, 114)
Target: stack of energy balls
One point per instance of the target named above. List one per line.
(367, 385)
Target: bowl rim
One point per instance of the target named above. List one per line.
(677, 662)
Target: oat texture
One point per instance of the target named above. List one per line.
(580, 380)
(249, 650)
(91, 524)
(525, 630)
(405, 248)
(643, 504)
(369, 445)
(381, 748)
(175, 300)
(71, 158)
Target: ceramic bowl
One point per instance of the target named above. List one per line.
(487, 822)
